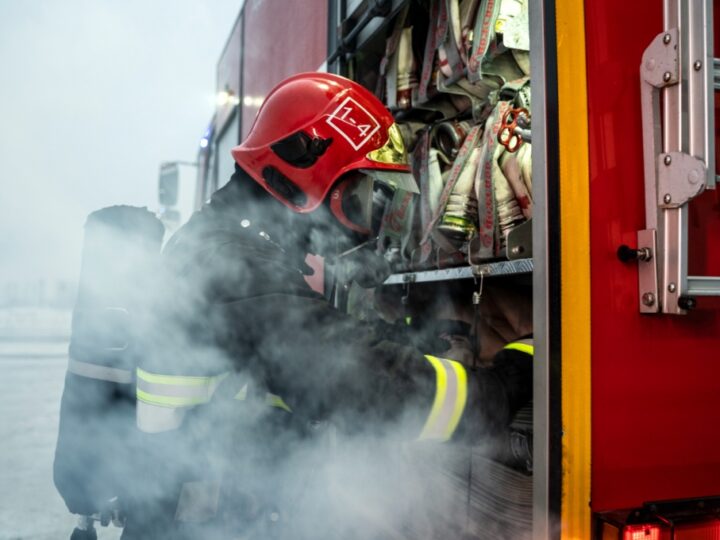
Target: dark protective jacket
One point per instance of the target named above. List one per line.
(239, 323)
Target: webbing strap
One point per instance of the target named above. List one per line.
(396, 224)
(430, 181)
(482, 36)
(484, 184)
(467, 21)
(458, 165)
(450, 399)
(451, 62)
(429, 55)
(387, 83)
(99, 372)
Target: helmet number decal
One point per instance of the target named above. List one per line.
(353, 122)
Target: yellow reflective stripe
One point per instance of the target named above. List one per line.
(276, 401)
(522, 347)
(169, 401)
(175, 380)
(242, 394)
(450, 399)
(461, 399)
(440, 391)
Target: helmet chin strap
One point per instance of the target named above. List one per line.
(336, 201)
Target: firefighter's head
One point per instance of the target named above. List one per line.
(321, 139)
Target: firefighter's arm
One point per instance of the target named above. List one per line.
(469, 404)
(457, 402)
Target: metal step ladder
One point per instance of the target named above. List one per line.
(679, 76)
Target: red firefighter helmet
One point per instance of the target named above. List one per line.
(314, 128)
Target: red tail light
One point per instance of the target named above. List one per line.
(643, 532)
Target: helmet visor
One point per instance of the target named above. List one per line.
(393, 151)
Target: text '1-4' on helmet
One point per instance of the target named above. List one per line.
(312, 129)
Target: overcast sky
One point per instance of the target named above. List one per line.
(94, 94)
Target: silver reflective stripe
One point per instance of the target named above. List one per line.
(99, 372)
(198, 501)
(450, 399)
(192, 393)
(157, 419)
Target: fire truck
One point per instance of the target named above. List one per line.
(608, 247)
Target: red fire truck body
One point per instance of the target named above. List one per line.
(655, 389)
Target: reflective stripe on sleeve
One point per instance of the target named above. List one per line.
(163, 399)
(276, 401)
(522, 345)
(175, 390)
(271, 400)
(99, 372)
(242, 394)
(450, 399)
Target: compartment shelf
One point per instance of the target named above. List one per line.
(498, 268)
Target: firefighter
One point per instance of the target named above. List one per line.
(239, 321)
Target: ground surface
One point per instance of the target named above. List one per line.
(32, 371)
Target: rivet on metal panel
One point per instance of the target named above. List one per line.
(667, 160)
(672, 287)
(667, 76)
(697, 66)
(648, 299)
(666, 39)
(667, 199)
